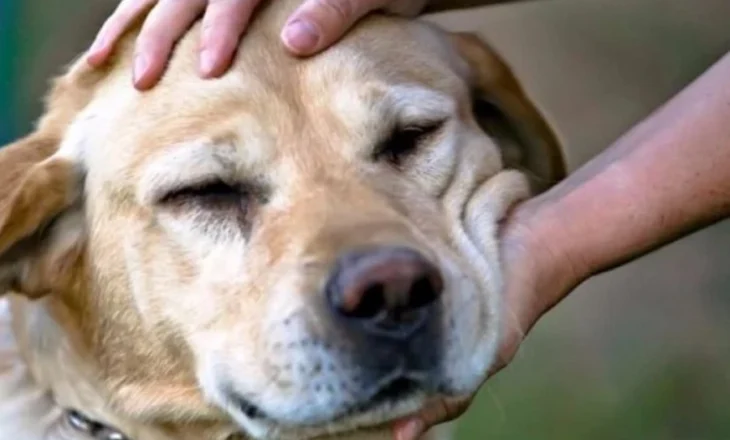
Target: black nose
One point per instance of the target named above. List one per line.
(385, 291)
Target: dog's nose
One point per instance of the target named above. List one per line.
(386, 291)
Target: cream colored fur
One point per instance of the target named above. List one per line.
(136, 311)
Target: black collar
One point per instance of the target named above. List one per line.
(92, 428)
(99, 431)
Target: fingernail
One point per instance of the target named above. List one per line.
(140, 67)
(411, 430)
(206, 63)
(301, 36)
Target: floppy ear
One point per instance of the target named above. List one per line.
(509, 116)
(38, 237)
(41, 221)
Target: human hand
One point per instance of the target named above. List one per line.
(537, 276)
(314, 26)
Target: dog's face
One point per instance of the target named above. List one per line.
(305, 246)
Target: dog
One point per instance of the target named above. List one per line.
(301, 248)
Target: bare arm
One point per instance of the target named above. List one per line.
(666, 178)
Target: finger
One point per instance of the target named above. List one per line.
(223, 24)
(114, 27)
(316, 24)
(440, 411)
(167, 22)
(504, 358)
(444, 410)
(513, 333)
(409, 429)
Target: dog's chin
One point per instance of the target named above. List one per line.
(371, 417)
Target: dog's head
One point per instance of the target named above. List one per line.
(304, 246)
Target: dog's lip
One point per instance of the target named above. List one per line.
(397, 388)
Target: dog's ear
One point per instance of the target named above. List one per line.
(42, 231)
(509, 116)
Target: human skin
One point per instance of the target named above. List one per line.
(311, 28)
(665, 179)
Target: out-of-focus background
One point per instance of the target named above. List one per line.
(642, 352)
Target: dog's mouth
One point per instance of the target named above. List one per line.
(391, 393)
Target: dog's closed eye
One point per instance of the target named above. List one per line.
(403, 141)
(211, 195)
(216, 208)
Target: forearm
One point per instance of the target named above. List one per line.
(448, 5)
(666, 178)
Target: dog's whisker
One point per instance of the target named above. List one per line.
(500, 408)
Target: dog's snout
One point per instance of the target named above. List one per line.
(386, 291)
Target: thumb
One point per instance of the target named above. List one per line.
(317, 24)
(439, 411)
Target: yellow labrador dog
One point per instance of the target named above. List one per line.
(299, 249)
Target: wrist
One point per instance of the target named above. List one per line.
(534, 234)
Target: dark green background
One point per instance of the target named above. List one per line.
(8, 54)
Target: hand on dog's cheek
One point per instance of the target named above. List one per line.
(534, 282)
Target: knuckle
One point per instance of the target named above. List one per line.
(160, 29)
(218, 28)
(153, 42)
(230, 6)
(226, 13)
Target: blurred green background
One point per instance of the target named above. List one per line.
(642, 352)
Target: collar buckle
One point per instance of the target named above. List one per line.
(91, 428)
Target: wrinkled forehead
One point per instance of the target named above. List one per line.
(270, 105)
